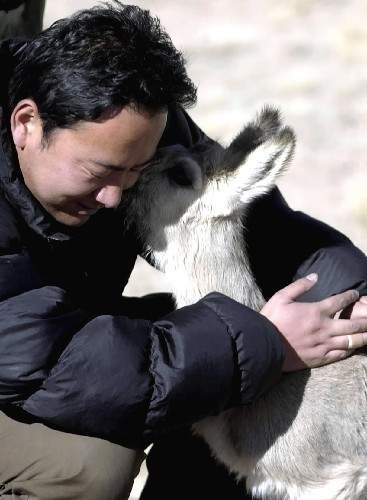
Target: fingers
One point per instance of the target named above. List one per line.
(337, 355)
(347, 335)
(297, 288)
(338, 302)
(349, 342)
(342, 327)
(356, 341)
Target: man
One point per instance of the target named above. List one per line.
(83, 381)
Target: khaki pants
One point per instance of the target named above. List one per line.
(38, 463)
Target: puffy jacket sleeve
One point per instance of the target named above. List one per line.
(285, 245)
(126, 380)
(130, 381)
(36, 323)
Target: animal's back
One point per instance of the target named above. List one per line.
(310, 429)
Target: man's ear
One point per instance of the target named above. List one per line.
(24, 120)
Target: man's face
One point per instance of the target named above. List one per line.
(86, 168)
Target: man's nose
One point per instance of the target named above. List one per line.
(110, 196)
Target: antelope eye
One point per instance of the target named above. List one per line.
(186, 173)
(180, 175)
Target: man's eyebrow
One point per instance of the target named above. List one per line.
(120, 169)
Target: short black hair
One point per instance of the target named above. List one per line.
(99, 61)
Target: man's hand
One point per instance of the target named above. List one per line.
(311, 333)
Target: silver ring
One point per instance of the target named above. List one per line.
(350, 342)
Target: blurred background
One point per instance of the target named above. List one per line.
(309, 58)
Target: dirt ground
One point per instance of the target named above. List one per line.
(307, 57)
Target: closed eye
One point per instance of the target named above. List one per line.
(93, 173)
(179, 176)
(140, 168)
(98, 176)
(116, 168)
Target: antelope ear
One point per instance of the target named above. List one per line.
(186, 172)
(265, 126)
(252, 162)
(259, 172)
(258, 169)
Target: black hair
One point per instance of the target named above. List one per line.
(98, 61)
